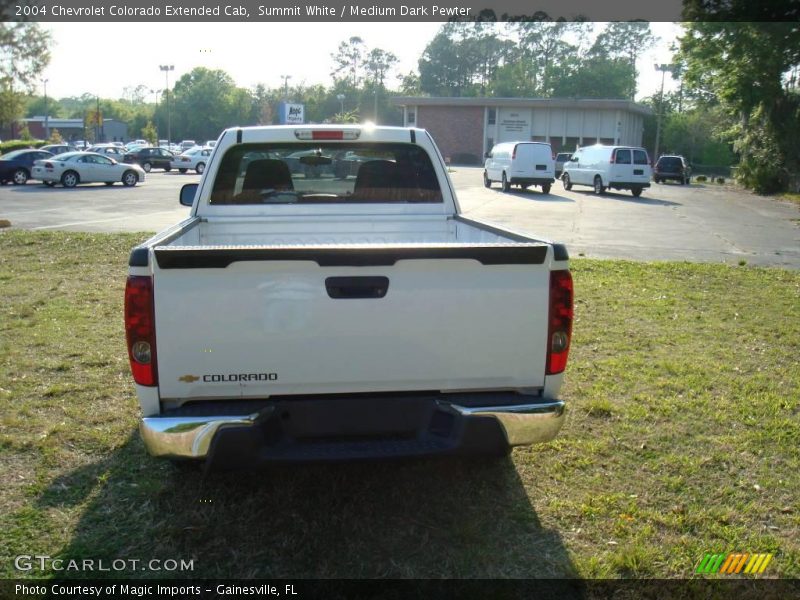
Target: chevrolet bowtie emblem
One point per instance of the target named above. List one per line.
(188, 378)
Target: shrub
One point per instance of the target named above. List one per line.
(700, 179)
(720, 180)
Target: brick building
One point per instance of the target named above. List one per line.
(74, 129)
(466, 128)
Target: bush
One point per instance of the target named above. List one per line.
(20, 145)
(700, 179)
(720, 180)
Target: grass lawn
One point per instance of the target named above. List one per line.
(682, 438)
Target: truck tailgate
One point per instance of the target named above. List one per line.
(258, 327)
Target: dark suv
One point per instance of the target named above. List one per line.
(150, 158)
(672, 167)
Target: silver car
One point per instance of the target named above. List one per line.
(72, 168)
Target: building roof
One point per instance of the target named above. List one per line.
(575, 103)
(58, 122)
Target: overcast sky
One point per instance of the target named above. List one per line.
(104, 58)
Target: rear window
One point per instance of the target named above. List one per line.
(640, 157)
(325, 173)
(622, 157)
(670, 162)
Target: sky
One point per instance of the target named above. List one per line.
(103, 58)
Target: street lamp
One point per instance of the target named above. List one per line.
(340, 98)
(167, 69)
(286, 79)
(46, 112)
(155, 113)
(663, 69)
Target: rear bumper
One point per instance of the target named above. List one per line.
(351, 428)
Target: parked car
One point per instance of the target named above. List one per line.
(80, 144)
(561, 158)
(672, 167)
(15, 166)
(603, 167)
(57, 148)
(211, 143)
(520, 163)
(150, 158)
(115, 152)
(194, 158)
(73, 168)
(186, 144)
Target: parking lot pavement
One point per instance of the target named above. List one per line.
(149, 206)
(699, 222)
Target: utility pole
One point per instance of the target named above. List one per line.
(155, 113)
(46, 112)
(663, 69)
(286, 79)
(167, 69)
(97, 121)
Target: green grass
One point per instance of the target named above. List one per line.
(682, 438)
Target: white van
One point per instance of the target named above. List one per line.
(603, 167)
(520, 163)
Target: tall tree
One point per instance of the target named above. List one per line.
(544, 51)
(378, 64)
(744, 66)
(626, 41)
(348, 59)
(24, 53)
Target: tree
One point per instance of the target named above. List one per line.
(626, 41)
(379, 63)
(743, 67)
(544, 51)
(348, 59)
(149, 133)
(24, 53)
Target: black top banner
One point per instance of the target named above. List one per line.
(179, 11)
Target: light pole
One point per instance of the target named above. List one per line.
(340, 98)
(286, 79)
(155, 113)
(375, 91)
(167, 69)
(663, 69)
(46, 112)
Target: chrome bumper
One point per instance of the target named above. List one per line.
(191, 437)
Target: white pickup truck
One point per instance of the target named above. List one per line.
(326, 300)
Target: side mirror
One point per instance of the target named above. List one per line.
(188, 192)
(573, 159)
(487, 155)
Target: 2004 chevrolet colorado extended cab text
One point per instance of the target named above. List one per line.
(326, 300)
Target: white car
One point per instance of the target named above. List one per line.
(194, 158)
(72, 168)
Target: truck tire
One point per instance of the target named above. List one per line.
(504, 183)
(546, 188)
(566, 181)
(637, 191)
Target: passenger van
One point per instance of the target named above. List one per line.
(603, 167)
(520, 163)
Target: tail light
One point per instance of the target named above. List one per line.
(140, 329)
(48, 166)
(559, 330)
(613, 157)
(514, 153)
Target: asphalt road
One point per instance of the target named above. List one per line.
(699, 222)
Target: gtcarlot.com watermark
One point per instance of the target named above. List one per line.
(38, 562)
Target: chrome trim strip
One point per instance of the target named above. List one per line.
(525, 423)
